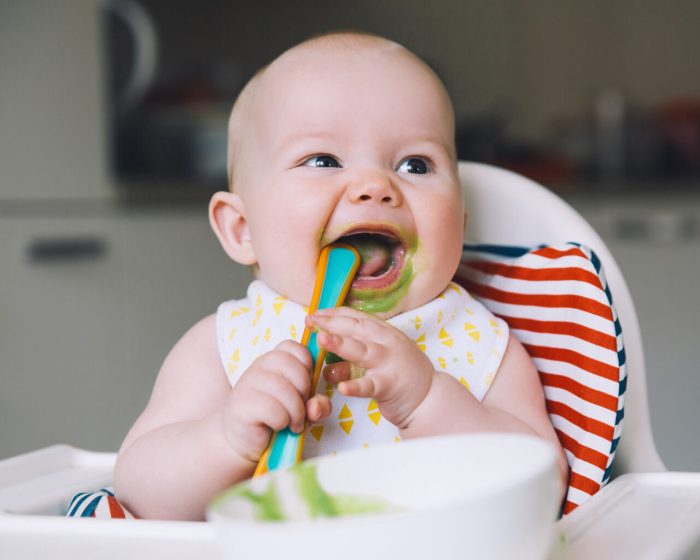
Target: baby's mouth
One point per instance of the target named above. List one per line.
(382, 256)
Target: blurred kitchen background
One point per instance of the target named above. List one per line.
(113, 136)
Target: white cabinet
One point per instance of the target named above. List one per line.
(656, 242)
(61, 331)
(86, 321)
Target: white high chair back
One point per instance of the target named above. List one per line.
(509, 209)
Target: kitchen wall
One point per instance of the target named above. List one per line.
(536, 60)
(53, 143)
(95, 287)
(82, 335)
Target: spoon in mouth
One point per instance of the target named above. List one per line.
(337, 266)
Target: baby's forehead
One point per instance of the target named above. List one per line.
(316, 69)
(334, 52)
(322, 69)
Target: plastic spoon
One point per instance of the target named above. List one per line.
(336, 269)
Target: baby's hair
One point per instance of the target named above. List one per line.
(350, 39)
(234, 120)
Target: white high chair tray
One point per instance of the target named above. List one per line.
(35, 490)
(650, 515)
(638, 515)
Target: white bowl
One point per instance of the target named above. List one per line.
(463, 496)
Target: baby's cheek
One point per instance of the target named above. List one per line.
(436, 263)
(449, 238)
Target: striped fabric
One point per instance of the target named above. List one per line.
(101, 504)
(557, 303)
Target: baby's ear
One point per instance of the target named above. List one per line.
(227, 219)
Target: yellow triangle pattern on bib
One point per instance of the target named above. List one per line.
(454, 330)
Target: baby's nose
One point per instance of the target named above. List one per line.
(375, 188)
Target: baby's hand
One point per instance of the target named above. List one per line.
(271, 395)
(397, 374)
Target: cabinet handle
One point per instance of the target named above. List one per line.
(65, 249)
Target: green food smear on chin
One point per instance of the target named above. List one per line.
(308, 492)
(379, 301)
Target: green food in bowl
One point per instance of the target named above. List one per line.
(297, 494)
(450, 490)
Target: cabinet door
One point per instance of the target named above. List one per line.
(176, 274)
(61, 332)
(656, 243)
(662, 278)
(89, 308)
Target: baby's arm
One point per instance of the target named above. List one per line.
(198, 436)
(421, 401)
(514, 403)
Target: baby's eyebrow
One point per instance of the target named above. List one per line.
(429, 141)
(314, 135)
(420, 144)
(424, 144)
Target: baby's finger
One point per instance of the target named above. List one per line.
(363, 327)
(348, 312)
(286, 394)
(289, 367)
(350, 349)
(270, 412)
(368, 387)
(300, 352)
(318, 408)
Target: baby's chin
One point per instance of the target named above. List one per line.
(411, 300)
(384, 315)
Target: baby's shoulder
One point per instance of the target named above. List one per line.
(192, 365)
(200, 339)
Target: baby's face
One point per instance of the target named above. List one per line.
(354, 147)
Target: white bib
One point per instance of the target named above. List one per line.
(458, 334)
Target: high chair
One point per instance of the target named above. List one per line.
(644, 512)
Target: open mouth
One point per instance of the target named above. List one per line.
(382, 254)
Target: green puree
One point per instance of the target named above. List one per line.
(318, 502)
(378, 301)
(387, 298)
(267, 504)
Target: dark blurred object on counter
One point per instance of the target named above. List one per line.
(165, 128)
(679, 133)
(618, 145)
(486, 141)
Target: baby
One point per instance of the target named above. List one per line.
(345, 137)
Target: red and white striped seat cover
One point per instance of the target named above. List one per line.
(101, 504)
(557, 303)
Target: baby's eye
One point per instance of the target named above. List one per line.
(413, 165)
(321, 161)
